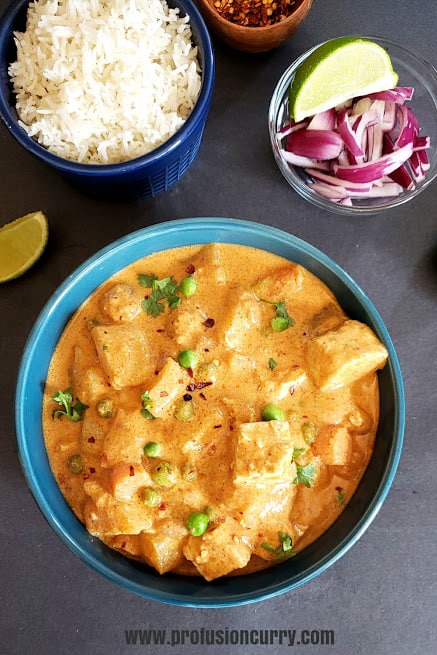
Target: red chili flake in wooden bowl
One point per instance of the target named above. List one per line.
(254, 13)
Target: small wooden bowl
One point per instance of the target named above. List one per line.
(253, 39)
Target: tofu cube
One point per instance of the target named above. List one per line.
(263, 452)
(343, 356)
(333, 445)
(124, 354)
(219, 551)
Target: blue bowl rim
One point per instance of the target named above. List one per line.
(227, 230)
(187, 130)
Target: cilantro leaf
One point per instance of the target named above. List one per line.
(161, 290)
(282, 313)
(340, 496)
(285, 548)
(306, 475)
(282, 319)
(272, 363)
(146, 280)
(297, 452)
(65, 400)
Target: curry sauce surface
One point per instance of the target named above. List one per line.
(268, 487)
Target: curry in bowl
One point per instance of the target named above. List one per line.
(211, 409)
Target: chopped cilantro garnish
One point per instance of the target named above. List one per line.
(161, 290)
(285, 548)
(65, 399)
(147, 403)
(282, 320)
(297, 452)
(272, 363)
(340, 496)
(306, 475)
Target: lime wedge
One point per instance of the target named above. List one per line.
(337, 71)
(22, 242)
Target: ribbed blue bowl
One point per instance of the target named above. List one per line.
(145, 176)
(138, 578)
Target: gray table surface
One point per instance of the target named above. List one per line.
(381, 597)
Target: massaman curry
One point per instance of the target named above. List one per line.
(211, 409)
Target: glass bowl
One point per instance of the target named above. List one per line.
(413, 71)
(139, 578)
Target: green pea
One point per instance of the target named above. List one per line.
(188, 359)
(184, 410)
(197, 524)
(151, 497)
(105, 408)
(75, 464)
(279, 324)
(309, 432)
(152, 449)
(188, 286)
(165, 474)
(272, 413)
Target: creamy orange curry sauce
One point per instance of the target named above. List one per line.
(265, 432)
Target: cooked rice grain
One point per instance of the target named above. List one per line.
(104, 81)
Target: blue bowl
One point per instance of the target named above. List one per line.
(139, 578)
(145, 176)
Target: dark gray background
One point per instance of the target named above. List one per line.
(381, 597)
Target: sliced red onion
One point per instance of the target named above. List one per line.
(389, 118)
(373, 170)
(398, 95)
(304, 162)
(421, 143)
(330, 179)
(329, 191)
(385, 190)
(367, 148)
(291, 127)
(350, 138)
(409, 127)
(315, 144)
(325, 120)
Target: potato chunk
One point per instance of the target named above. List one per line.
(124, 442)
(124, 354)
(170, 383)
(105, 515)
(219, 551)
(264, 451)
(208, 263)
(243, 316)
(121, 303)
(333, 445)
(281, 284)
(163, 548)
(125, 480)
(340, 357)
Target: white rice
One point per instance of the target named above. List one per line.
(104, 81)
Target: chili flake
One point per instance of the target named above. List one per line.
(255, 13)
